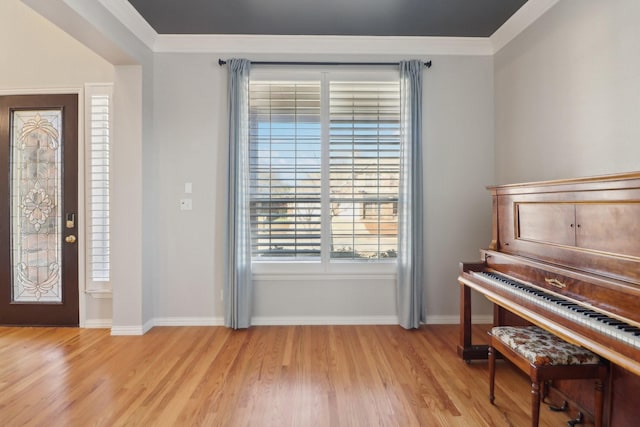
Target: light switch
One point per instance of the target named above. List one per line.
(186, 205)
(188, 187)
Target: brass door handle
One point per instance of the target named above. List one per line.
(70, 238)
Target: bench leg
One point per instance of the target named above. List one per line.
(492, 373)
(535, 403)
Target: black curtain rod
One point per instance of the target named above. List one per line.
(222, 62)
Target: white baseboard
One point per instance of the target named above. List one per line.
(328, 320)
(189, 321)
(97, 323)
(276, 321)
(455, 319)
(356, 320)
(148, 325)
(481, 319)
(133, 329)
(128, 330)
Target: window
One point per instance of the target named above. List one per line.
(324, 165)
(98, 104)
(286, 170)
(364, 140)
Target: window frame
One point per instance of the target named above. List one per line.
(325, 265)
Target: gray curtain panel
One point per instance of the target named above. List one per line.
(409, 287)
(237, 284)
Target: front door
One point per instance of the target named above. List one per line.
(38, 210)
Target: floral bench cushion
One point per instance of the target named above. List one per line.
(542, 348)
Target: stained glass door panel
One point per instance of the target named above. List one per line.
(35, 205)
(39, 256)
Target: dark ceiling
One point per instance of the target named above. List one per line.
(446, 18)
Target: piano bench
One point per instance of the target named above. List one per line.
(545, 357)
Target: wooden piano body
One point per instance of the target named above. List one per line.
(577, 243)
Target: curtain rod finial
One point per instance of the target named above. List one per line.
(221, 62)
(428, 64)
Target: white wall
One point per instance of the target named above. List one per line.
(567, 93)
(35, 55)
(126, 207)
(459, 164)
(190, 146)
(190, 128)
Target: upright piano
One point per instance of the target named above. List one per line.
(565, 255)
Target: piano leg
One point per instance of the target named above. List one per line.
(466, 350)
(492, 375)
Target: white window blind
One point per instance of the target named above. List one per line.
(285, 152)
(98, 185)
(364, 170)
(324, 164)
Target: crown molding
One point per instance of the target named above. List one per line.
(250, 44)
(519, 21)
(267, 44)
(336, 45)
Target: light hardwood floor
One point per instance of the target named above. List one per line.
(264, 376)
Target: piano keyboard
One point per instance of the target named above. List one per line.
(602, 323)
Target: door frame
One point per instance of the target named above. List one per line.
(81, 184)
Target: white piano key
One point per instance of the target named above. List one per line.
(510, 285)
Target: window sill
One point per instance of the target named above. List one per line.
(336, 270)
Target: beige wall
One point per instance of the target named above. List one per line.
(567, 93)
(36, 54)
